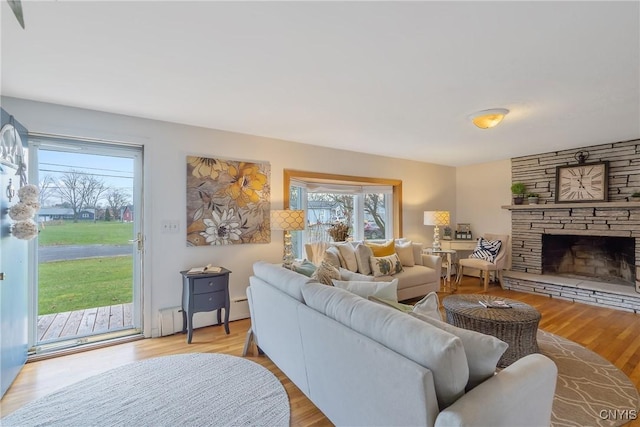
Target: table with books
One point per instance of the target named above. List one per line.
(514, 322)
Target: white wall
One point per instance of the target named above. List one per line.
(166, 145)
(481, 190)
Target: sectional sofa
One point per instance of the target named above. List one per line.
(366, 364)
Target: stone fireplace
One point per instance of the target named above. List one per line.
(586, 253)
(582, 251)
(609, 259)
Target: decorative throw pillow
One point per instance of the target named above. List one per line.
(382, 249)
(385, 290)
(483, 351)
(428, 306)
(305, 267)
(332, 256)
(486, 249)
(363, 255)
(325, 273)
(385, 266)
(350, 275)
(334, 249)
(348, 253)
(405, 253)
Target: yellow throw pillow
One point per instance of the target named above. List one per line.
(382, 249)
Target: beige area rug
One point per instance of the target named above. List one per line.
(590, 390)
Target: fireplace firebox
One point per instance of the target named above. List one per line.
(604, 258)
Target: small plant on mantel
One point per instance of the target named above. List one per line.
(533, 198)
(518, 190)
(635, 197)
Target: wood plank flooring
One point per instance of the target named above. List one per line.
(610, 333)
(84, 322)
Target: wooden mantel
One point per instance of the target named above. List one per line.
(577, 205)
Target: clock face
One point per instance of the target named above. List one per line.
(582, 183)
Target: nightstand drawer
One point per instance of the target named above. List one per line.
(210, 301)
(209, 284)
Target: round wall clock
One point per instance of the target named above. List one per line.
(586, 182)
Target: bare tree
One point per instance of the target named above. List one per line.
(117, 199)
(80, 191)
(94, 188)
(47, 189)
(373, 202)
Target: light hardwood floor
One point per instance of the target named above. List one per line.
(612, 334)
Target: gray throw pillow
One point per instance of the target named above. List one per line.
(483, 351)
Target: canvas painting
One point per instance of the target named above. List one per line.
(228, 202)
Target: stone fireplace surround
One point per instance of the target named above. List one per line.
(615, 218)
(531, 222)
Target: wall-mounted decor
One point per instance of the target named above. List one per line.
(228, 201)
(585, 182)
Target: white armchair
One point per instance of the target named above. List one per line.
(486, 267)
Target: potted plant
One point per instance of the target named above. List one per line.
(635, 197)
(518, 190)
(533, 198)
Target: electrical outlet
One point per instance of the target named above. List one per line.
(170, 226)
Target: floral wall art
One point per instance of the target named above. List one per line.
(228, 201)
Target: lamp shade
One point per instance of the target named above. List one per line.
(486, 119)
(288, 220)
(437, 218)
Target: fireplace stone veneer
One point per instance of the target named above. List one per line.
(530, 222)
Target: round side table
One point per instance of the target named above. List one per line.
(517, 325)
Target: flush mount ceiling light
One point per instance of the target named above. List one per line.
(486, 119)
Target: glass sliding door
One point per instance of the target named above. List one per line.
(87, 284)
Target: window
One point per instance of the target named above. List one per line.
(369, 207)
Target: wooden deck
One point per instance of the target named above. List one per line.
(80, 323)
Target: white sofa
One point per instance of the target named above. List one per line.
(366, 364)
(414, 281)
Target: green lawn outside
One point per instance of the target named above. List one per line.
(84, 283)
(85, 233)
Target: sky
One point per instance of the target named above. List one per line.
(116, 172)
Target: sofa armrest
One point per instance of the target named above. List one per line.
(433, 261)
(521, 394)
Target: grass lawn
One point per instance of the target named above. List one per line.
(84, 283)
(85, 233)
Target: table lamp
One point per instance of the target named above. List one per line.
(436, 218)
(287, 220)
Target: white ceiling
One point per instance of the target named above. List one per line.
(391, 78)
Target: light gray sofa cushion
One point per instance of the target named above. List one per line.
(365, 289)
(431, 347)
(482, 351)
(287, 281)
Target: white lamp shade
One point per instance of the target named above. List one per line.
(288, 220)
(437, 218)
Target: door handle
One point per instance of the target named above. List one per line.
(139, 241)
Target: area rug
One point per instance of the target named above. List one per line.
(197, 389)
(590, 390)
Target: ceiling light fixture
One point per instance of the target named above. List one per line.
(486, 119)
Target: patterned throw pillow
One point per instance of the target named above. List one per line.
(325, 273)
(386, 265)
(486, 249)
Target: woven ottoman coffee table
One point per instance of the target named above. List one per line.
(517, 325)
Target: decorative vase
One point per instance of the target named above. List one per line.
(532, 200)
(518, 200)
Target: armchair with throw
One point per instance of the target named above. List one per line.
(489, 256)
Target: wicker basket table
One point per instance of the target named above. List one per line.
(517, 326)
